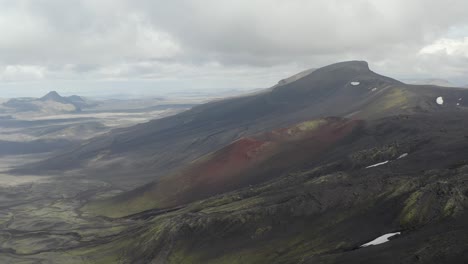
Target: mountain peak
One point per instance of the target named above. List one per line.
(331, 82)
(53, 95)
(354, 65)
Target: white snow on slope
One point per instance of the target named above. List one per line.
(381, 239)
(376, 165)
(440, 100)
(403, 155)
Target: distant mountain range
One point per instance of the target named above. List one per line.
(50, 103)
(438, 82)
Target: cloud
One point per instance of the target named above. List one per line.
(449, 47)
(52, 32)
(193, 39)
(11, 73)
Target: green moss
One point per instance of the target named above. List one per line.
(366, 156)
(310, 125)
(449, 207)
(410, 211)
(109, 253)
(283, 250)
(5, 218)
(181, 256)
(112, 209)
(326, 178)
(400, 188)
(395, 98)
(261, 231)
(235, 206)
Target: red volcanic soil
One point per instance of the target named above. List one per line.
(235, 157)
(249, 161)
(215, 172)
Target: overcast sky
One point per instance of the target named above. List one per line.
(155, 47)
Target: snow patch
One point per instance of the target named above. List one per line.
(458, 104)
(402, 155)
(355, 83)
(376, 165)
(374, 89)
(459, 99)
(380, 239)
(440, 100)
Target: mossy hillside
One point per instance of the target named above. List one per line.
(378, 154)
(393, 99)
(243, 218)
(397, 97)
(313, 211)
(295, 217)
(105, 253)
(436, 200)
(261, 245)
(410, 212)
(112, 209)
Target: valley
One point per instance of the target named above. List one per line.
(40, 214)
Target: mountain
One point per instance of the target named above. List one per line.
(310, 171)
(51, 103)
(404, 173)
(347, 89)
(293, 78)
(80, 102)
(54, 96)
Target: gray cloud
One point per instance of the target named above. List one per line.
(218, 42)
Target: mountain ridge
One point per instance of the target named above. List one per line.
(305, 172)
(358, 91)
(50, 103)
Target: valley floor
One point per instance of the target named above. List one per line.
(39, 216)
